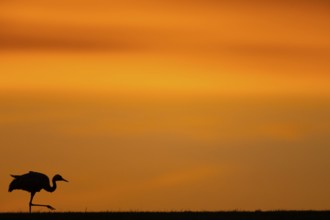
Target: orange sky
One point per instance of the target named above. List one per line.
(167, 105)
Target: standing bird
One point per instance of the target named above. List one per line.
(33, 182)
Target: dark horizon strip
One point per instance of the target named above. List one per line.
(189, 215)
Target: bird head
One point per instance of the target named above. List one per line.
(58, 177)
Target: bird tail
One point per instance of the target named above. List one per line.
(12, 184)
(11, 187)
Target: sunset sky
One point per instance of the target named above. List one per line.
(168, 104)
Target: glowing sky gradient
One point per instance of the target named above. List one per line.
(167, 105)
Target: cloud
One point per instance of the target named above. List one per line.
(190, 26)
(65, 37)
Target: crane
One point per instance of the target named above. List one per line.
(33, 182)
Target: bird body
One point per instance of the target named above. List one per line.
(34, 182)
(31, 182)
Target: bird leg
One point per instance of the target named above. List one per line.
(31, 198)
(31, 204)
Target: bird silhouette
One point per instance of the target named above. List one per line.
(33, 182)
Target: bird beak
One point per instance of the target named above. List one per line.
(65, 180)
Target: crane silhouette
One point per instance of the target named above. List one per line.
(33, 182)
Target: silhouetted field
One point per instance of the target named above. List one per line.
(225, 215)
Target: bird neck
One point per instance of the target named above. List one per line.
(51, 188)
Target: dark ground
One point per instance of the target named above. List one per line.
(230, 215)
